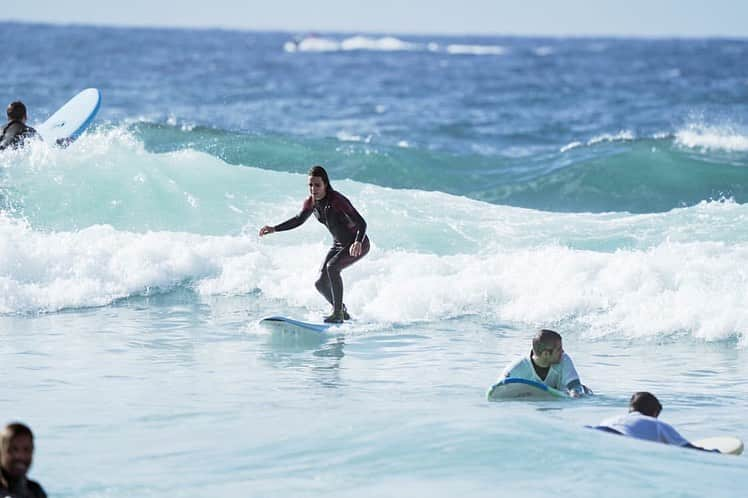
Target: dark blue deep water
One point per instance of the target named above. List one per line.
(562, 124)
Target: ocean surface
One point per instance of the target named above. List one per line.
(595, 186)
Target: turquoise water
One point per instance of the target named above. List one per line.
(597, 187)
(191, 399)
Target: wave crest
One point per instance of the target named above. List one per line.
(322, 44)
(695, 287)
(713, 137)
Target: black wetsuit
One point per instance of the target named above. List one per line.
(20, 488)
(347, 226)
(14, 134)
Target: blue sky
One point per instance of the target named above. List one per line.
(687, 18)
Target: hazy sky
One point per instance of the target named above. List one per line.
(723, 18)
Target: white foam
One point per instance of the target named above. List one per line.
(321, 44)
(391, 44)
(386, 44)
(663, 288)
(669, 289)
(458, 49)
(608, 273)
(44, 271)
(572, 145)
(345, 136)
(720, 137)
(172, 120)
(621, 136)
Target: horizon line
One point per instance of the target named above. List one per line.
(480, 34)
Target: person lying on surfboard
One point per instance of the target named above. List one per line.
(16, 132)
(348, 229)
(641, 422)
(549, 364)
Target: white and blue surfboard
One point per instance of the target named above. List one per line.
(72, 119)
(727, 445)
(285, 324)
(513, 388)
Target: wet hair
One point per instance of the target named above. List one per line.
(16, 111)
(645, 403)
(545, 340)
(13, 430)
(320, 172)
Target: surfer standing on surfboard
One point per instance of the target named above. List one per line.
(348, 229)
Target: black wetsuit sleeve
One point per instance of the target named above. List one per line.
(8, 137)
(344, 206)
(304, 214)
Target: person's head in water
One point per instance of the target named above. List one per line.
(16, 111)
(319, 182)
(645, 403)
(547, 348)
(16, 450)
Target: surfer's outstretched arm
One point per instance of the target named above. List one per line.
(291, 223)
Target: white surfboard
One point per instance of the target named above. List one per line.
(513, 388)
(285, 324)
(72, 119)
(725, 444)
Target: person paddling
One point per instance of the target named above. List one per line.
(548, 363)
(641, 422)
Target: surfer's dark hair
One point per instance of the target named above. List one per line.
(645, 403)
(16, 110)
(13, 430)
(545, 340)
(320, 172)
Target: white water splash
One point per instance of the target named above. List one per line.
(713, 137)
